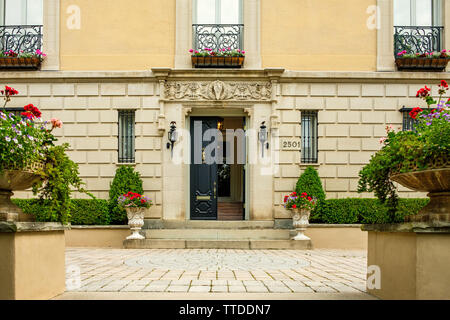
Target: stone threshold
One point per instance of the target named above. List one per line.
(13, 227)
(108, 227)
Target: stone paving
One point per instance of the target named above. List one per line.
(215, 271)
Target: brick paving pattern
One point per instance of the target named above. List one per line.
(216, 270)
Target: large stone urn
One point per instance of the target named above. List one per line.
(12, 180)
(437, 183)
(135, 221)
(300, 221)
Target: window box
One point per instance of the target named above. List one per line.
(421, 64)
(19, 63)
(217, 62)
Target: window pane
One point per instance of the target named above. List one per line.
(230, 12)
(126, 137)
(309, 137)
(15, 12)
(423, 13)
(35, 13)
(206, 12)
(402, 12)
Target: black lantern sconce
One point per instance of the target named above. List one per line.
(172, 135)
(263, 135)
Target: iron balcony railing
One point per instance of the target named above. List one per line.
(418, 39)
(218, 36)
(21, 38)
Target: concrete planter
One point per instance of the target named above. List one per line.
(413, 260)
(32, 262)
(217, 62)
(437, 183)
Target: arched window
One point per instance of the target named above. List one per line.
(418, 25)
(21, 25)
(217, 24)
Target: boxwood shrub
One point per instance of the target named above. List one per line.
(82, 211)
(364, 211)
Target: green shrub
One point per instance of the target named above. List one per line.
(90, 212)
(82, 211)
(125, 180)
(365, 211)
(310, 183)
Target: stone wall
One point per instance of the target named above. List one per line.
(353, 111)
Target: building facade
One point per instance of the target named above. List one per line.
(319, 75)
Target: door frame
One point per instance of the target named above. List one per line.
(187, 182)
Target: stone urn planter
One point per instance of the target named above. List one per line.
(19, 63)
(437, 183)
(300, 221)
(12, 180)
(135, 221)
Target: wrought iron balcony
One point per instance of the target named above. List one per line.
(21, 38)
(417, 39)
(218, 36)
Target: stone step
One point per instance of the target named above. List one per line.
(202, 224)
(218, 234)
(217, 244)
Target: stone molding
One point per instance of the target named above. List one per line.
(218, 90)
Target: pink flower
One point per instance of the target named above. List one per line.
(56, 123)
(382, 140)
(192, 50)
(243, 52)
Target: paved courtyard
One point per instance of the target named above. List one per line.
(215, 271)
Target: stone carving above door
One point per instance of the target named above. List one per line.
(218, 90)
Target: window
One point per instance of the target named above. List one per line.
(21, 12)
(309, 137)
(21, 25)
(15, 111)
(217, 24)
(126, 136)
(418, 26)
(408, 122)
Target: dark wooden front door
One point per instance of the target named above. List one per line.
(203, 184)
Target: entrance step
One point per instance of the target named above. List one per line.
(202, 224)
(217, 244)
(218, 234)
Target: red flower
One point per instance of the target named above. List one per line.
(444, 84)
(424, 92)
(414, 112)
(309, 198)
(33, 110)
(285, 198)
(9, 91)
(294, 206)
(29, 115)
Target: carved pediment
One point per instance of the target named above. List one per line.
(218, 90)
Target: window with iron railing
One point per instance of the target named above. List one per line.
(408, 123)
(126, 136)
(417, 26)
(218, 25)
(21, 25)
(309, 138)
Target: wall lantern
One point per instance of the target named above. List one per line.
(263, 137)
(172, 136)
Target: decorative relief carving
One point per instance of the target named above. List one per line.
(218, 90)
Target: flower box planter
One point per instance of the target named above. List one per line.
(19, 63)
(421, 64)
(217, 62)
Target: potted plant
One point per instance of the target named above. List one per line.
(301, 207)
(21, 60)
(417, 159)
(428, 61)
(222, 58)
(135, 205)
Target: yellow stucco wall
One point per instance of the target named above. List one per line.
(317, 35)
(118, 35)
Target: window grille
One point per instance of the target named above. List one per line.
(126, 136)
(408, 122)
(309, 152)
